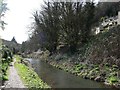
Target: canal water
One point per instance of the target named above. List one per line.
(60, 79)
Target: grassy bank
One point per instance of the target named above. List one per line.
(28, 76)
(109, 75)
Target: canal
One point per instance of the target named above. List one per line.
(60, 79)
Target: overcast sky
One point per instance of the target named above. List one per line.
(18, 18)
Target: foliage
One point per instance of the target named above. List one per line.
(4, 62)
(111, 80)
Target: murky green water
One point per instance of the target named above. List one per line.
(60, 79)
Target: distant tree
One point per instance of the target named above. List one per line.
(13, 40)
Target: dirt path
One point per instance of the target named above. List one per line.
(14, 79)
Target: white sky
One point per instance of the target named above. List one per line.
(18, 17)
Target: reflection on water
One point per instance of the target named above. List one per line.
(60, 79)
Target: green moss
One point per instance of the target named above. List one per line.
(79, 67)
(112, 80)
(5, 77)
(29, 77)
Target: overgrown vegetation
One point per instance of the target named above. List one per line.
(5, 61)
(28, 76)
